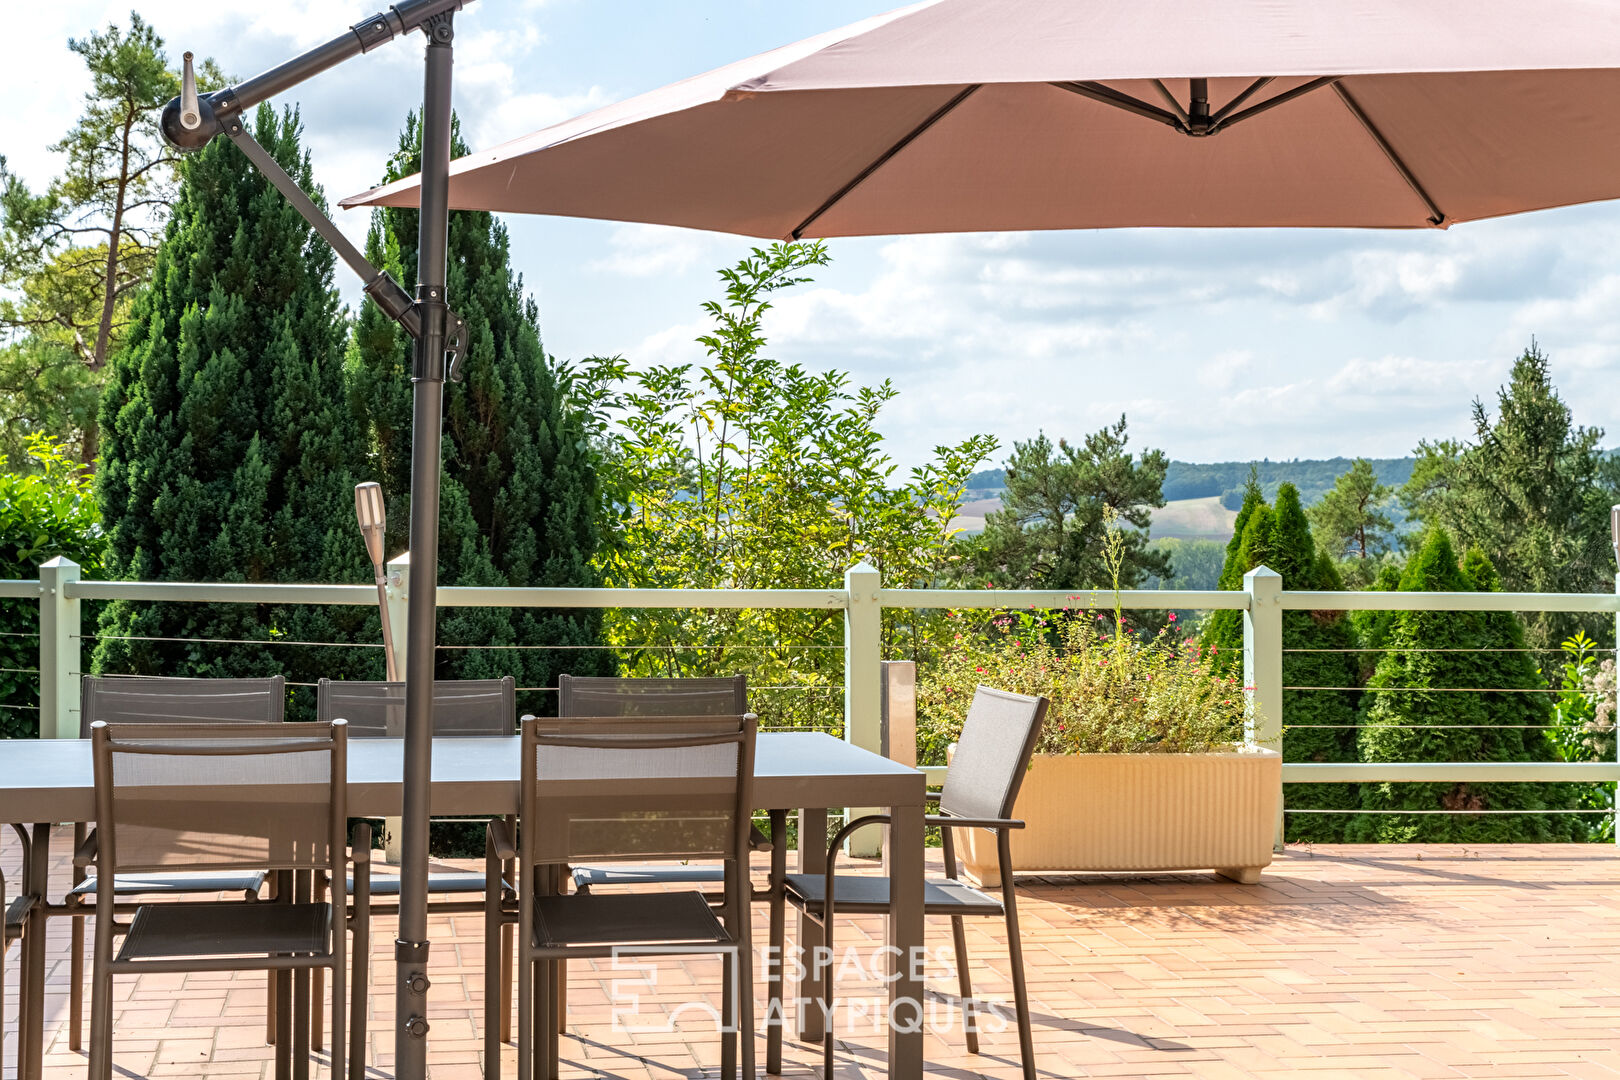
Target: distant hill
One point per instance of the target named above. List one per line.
(1224, 480)
(1202, 499)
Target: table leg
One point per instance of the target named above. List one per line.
(905, 937)
(301, 1012)
(283, 993)
(812, 860)
(31, 989)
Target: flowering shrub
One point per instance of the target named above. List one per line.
(1110, 693)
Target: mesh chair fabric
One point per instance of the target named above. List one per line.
(590, 696)
(215, 797)
(460, 706)
(129, 699)
(992, 754)
(606, 789)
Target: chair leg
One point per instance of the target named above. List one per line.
(745, 988)
(508, 969)
(76, 955)
(359, 1005)
(825, 998)
(301, 1010)
(775, 1018)
(964, 985)
(317, 1018)
(729, 1010)
(270, 978)
(1015, 956)
(338, 1069)
(525, 1020)
(101, 1002)
(76, 984)
(496, 1020)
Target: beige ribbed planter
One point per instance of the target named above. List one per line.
(1140, 812)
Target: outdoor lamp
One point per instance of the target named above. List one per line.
(373, 514)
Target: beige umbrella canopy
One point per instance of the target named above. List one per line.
(966, 115)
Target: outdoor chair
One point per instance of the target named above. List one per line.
(227, 798)
(612, 697)
(607, 790)
(15, 913)
(461, 707)
(992, 755)
(129, 699)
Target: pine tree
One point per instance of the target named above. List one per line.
(520, 500)
(1414, 712)
(1318, 723)
(230, 451)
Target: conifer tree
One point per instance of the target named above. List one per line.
(229, 450)
(520, 501)
(1319, 724)
(1414, 712)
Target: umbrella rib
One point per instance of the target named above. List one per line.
(1272, 102)
(1243, 95)
(1437, 217)
(1097, 91)
(884, 158)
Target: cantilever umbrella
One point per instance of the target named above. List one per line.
(965, 115)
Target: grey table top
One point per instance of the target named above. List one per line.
(51, 779)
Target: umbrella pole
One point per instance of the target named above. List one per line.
(427, 428)
(192, 120)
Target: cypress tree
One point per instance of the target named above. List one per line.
(520, 498)
(1494, 719)
(1318, 723)
(229, 450)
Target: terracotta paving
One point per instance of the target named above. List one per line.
(1366, 962)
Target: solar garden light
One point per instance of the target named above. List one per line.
(373, 515)
(1614, 531)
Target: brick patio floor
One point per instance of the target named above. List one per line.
(1366, 962)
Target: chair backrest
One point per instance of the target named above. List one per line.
(605, 789)
(135, 699)
(992, 754)
(219, 797)
(460, 706)
(591, 696)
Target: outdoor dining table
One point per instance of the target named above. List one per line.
(50, 781)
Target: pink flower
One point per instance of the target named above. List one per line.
(1172, 616)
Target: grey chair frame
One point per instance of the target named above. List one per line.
(976, 809)
(506, 689)
(13, 923)
(215, 740)
(540, 968)
(259, 700)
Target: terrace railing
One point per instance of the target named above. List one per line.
(862, 600)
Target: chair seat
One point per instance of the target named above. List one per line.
(176, 884)
(226, 928)
(17, 916)
(626, 919)
(863, 894)
(388, 884)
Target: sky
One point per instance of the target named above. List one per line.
(1217, 345)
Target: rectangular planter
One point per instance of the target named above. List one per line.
(1140, 812)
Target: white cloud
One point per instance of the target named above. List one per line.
(640, 251)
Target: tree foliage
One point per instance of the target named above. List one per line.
(1458, 686)
(1526, 491)
(1319, 720)
(745, 472)
(230, 451)
(1351, 522)
(76, 252)
(1048, 533)
(520, 500)
(44, 512)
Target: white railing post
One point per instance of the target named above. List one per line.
(863, 680)
(1262, 665)
(399, 588)
(59, 639)
(1617, 713)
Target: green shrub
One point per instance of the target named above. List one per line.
(44, 513)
